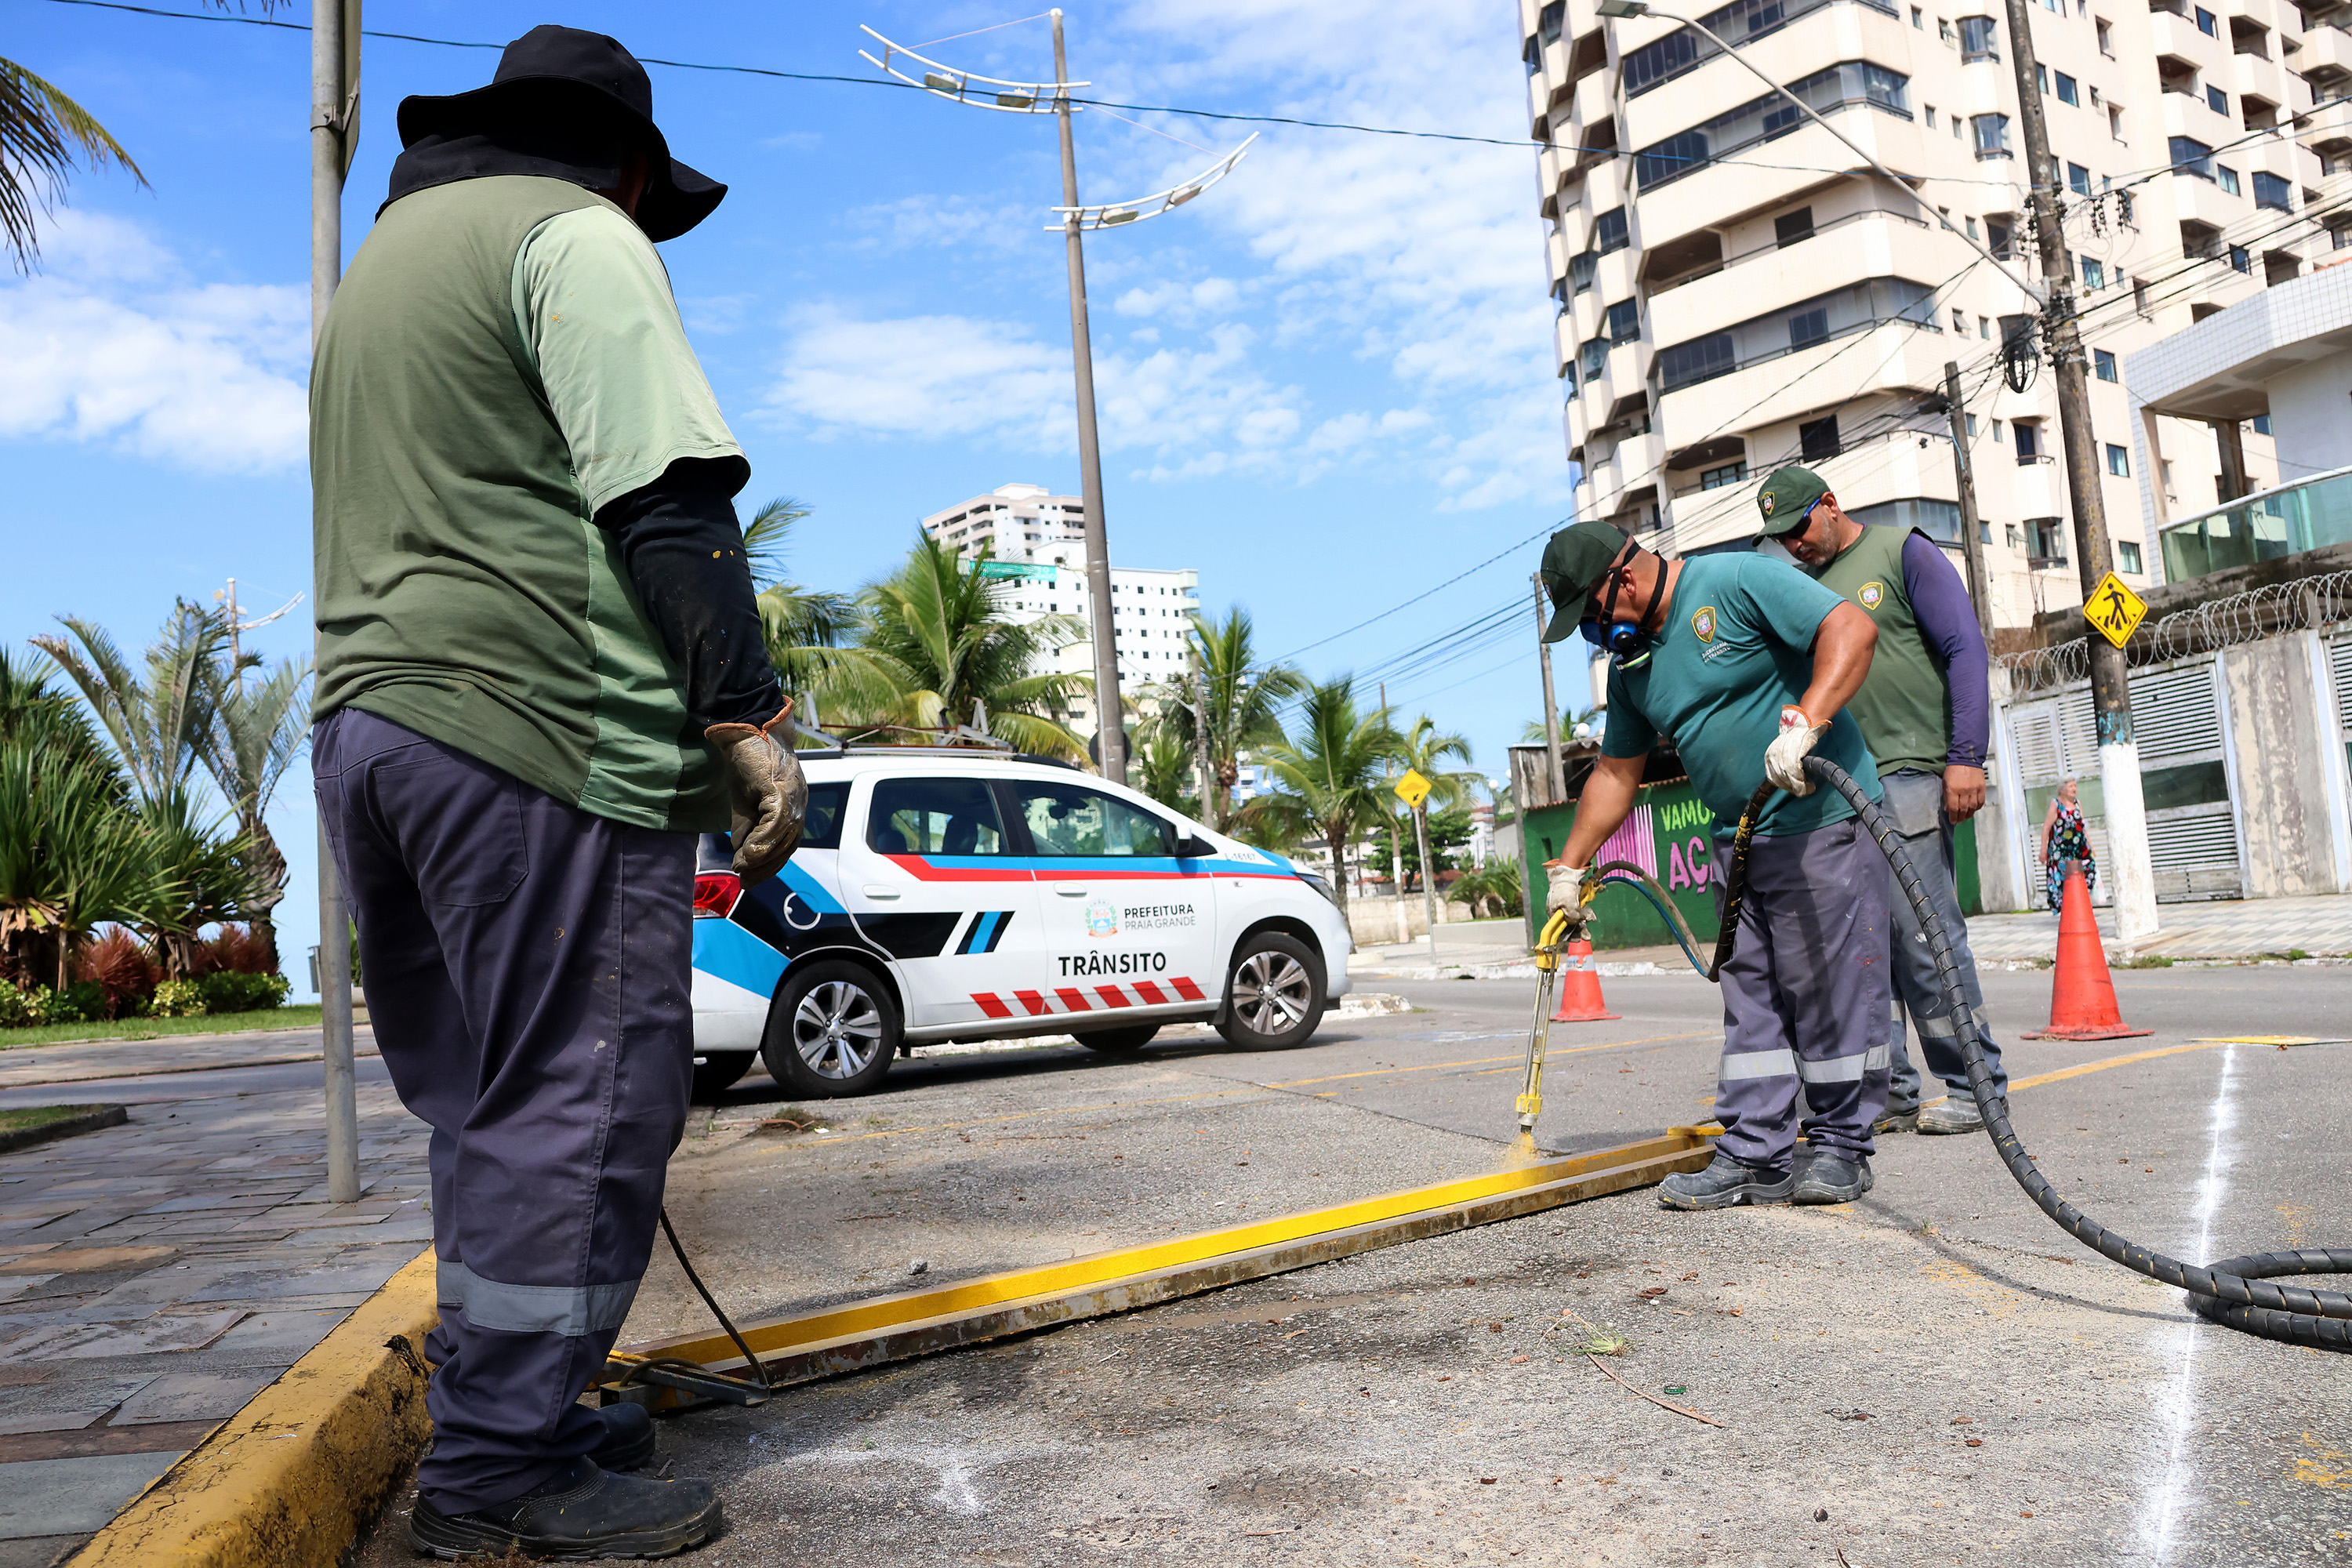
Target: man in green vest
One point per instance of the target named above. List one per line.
(1925, 713)
(540, 676)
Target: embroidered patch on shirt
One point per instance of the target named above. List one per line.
(1870, 594)
(1703, 622)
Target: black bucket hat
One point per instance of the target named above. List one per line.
(676, 199)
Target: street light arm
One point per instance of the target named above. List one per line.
(1619, 8)
(948, 82)
(1109, 214)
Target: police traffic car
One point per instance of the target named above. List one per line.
(947, 895)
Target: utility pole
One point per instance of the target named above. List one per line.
(1201, 735)
(2119, 777)
(1396, 844)
(1971, 532)
(1111, 728)
(1556, 780)
(334, 131)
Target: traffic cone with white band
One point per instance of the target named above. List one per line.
(1580, 988)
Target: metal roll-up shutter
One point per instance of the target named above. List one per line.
(2185, 776)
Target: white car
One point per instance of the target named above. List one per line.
(947, 894)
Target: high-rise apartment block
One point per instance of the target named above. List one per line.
(1736, 290)
(1022, 526)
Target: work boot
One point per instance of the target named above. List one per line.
(1955, 1113)
(1894, 1121)
(1724, 1182)
(1830, 1176)
(581, 1512)
(628, 1440)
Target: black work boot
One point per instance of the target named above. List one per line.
(1894, 1121)
(582, 1513)
(1955, 1113)
(1725, 1182)
(1831, 1176)
(628, 1440)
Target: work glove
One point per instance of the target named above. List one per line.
(1784, 759)
(765, 792)
(1565, 893)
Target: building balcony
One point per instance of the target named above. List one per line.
(1717, 194)
(2326, 61)
(1836, 32)
(1590, 100)
(1790, 385)
(1843, 251)
(2175, 35)
(2265, 526)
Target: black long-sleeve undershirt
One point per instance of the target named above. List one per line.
(684, 552)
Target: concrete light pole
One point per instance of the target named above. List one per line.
(334, 133)
(1971, 532)
(1555, 776)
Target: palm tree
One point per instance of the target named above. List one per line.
(1330, 770)
(158, 720)
(1161, 767)
(1533, 734)
(933, 632)
(256, 732)
(1423, 750)
(43, 134)
(805, 628)
(1245, 704)
(208, 878)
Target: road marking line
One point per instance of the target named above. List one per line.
(1485, 1061)
(2180, 1399)
(2039, 1079)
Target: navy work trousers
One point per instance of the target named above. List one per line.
(1915, 806)
(1805, 998)
(528, 976)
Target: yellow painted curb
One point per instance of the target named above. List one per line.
(290, 1480)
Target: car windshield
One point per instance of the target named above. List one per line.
(1070, 819)
(935, 817)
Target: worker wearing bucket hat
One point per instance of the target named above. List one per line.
(1925, 713)
(1746, 666)
(540, 676)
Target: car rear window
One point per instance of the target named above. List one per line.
(934, 817)
(823, 828)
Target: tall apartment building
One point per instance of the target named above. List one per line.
(1736, 291)
(1151, 610)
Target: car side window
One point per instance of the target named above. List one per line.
(1070, 819)
(821, 829)
(934, 817)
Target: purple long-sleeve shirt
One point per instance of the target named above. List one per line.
(1939, 602)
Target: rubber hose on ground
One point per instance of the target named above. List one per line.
(2236, 1292)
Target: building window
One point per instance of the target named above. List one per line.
(2013, 539)
(2127, 556)
(2103, 364)
(1991, 135)
(1918, 20)
(2094, 274)
(1596, 358)
(2240, 260)
(2042, 79)
(1931, 117)
(1999, 439)
(1581, 268)
(2066, 91)
(2262, 422)
(2205, 23)
(2046, 539)
(1973, 426)
(1793, 228)
(1625, 322)
(1984, 328)
(1730, 473)
(1960, 324)
(2118, 461)
(2106, 43)
(2114, 122)
(2029, 441)
(2216, 100)
(1807, 328)
(2078, 179)
(1549, 19)
(1761, 118)
(1609, 231)
(1817, 439)
(1702, 359)
(2190, 157)
(1979, 40)
(2270, 190)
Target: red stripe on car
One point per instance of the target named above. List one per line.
(1150, 992)
(1074, 1001)
(992, 1004)
(1187, 990)
(1112, 996)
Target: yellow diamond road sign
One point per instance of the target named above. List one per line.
(1412, 789)
(2114, 611)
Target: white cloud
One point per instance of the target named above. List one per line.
(935, 375)
(113, 343)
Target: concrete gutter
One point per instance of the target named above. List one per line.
(90, 1118)
(291, 1480)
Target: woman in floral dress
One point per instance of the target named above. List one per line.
(2065, 844)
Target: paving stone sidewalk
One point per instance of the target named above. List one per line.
(154, 1276)
(95, 1062)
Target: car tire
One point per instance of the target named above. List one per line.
(1132, 1039)
(1273, 993)
(716, 1072)
(833, 1033)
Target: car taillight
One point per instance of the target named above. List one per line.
(715, 893)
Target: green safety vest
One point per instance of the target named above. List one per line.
(1904, 706)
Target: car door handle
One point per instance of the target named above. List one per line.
(880, 891)
(1071, 892)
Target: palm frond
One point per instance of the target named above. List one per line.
(43, 134)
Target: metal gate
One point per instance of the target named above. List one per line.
(2187, 775)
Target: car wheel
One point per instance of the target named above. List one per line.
(1274, 994)
(834, 1032)
(716, 1072)
(1133, 1038)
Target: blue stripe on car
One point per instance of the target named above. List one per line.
(726, 950)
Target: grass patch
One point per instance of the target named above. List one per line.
(297, 1017)
(2148, 960)
(16, 1121)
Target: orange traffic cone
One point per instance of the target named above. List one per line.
(1580, 988)
(2082, 993)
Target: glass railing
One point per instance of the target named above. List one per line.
(2264, 526)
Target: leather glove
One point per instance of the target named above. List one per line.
(1565, 893)
(765, 791)
(1784, 759)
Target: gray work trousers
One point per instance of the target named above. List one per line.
(1805, 996)
(1915, 806)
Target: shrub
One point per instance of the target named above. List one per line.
(122, 969)
(82, 1001)
(178, 999)
(16, 1007)
(235, 949)
(233, 991)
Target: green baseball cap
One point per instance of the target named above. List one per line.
(1572, 563)
(1785, 496)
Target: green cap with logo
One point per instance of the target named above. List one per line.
(1572, 563)
(1785, 496)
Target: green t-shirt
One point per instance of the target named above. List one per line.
(1736, 645)
(504, 358)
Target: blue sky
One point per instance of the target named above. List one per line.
(1327, 385)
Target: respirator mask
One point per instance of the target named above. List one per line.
(1625, 642)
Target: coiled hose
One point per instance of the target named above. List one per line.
(2235, 1292)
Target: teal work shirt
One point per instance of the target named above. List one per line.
(1736, 645)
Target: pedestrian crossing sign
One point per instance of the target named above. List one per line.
(1412, 789)
(2114, 610)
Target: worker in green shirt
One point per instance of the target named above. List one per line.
(1926, 713)
(540, 676)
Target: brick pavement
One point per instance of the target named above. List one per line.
(153, 1276)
